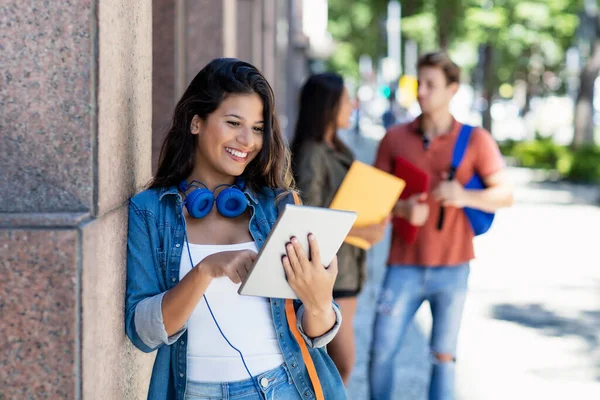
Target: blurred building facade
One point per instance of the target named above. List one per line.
(86, 92)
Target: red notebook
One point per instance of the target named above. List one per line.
(417, 181)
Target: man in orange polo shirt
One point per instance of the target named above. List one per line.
(436, 266)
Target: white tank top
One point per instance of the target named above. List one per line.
(245, 320)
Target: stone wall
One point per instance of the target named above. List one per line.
(75, 122)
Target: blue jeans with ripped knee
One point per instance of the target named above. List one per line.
(404, 290)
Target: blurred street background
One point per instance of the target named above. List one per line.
(531, 326)
(530, 76)
(87, 89)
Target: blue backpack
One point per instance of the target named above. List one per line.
(480, 221)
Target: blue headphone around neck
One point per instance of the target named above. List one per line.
(231, 202)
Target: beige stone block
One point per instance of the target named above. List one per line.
(112, 367)
(124, 100)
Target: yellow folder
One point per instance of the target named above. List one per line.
(371, 193)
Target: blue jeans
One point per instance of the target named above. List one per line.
(404, 290)
(273, 385)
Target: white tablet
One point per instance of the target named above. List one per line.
(330, 227)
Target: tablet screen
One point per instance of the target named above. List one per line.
(330, 227)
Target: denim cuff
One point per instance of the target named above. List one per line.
(324, 339)
(149, 323)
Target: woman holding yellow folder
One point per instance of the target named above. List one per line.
(320, 163)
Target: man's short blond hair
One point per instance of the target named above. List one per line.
(442, 61)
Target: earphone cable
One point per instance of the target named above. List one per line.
(217, 324)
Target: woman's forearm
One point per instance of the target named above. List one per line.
(357, 231)
(179, 302)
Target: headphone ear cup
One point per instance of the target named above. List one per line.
(231, 202)
(199, 202)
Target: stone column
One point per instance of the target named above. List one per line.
(248, 31)
(164, 70)
(187, 36)
(75, 124)
(297, 65)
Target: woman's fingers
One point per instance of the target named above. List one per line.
(244, 269)
(287, 267)
(235, 276)
(315, 253)
(300, 253)
(238, 268)
(309, 279)
(293, 258)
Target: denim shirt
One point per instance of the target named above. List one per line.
(154, 249)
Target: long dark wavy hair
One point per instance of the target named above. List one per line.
(220, 78)
(320, 100)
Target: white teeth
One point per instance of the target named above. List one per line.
(236, 153)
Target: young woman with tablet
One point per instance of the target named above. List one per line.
(223, 176)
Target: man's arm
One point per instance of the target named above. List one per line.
(497, 194)
(490, 166)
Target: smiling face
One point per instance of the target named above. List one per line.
(229, 138)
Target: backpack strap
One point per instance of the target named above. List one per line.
(290, 313)
(459, 148)
(457, 155)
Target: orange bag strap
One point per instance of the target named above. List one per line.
(297, 200)
(290, 314)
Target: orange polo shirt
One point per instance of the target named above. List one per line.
(453, 244)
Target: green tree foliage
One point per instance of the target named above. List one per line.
(358, 27)
(355, 26)
(528, 37)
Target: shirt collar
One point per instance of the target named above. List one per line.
(416, 124)
(167, 190)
